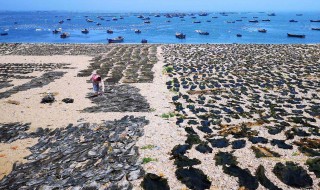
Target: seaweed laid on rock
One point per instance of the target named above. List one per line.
(180, 150)
(219, 143)
(261, 151)
(238, 144)
(296, 131)
(38, 82)
(262, 178)
(293, 175)
(225, 158)
(280, 144)
(238, 131)
(10, 132)
(310, 147)
(77, 156)
(119, 98)
(314, 166)
(203, 147)
(183, 161)
(193, 139)
(154, 182)
(246, 179)
(256, 140)
(193, 178)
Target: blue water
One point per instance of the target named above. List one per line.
(36, 27)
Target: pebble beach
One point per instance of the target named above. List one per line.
(172, 116)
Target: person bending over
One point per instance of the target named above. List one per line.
(96, 82)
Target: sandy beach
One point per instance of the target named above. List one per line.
(197, 116)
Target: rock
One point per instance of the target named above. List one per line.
(133, 175)
(68, 100)
(47, 99)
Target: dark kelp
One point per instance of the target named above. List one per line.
(293, 175)
(193, 178)
(262, 178)
(154, 182)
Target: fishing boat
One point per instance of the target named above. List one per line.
(118, 39)
(85, 31)
(98, 24)
(61, 21)
(180, 35)
(137, 31)
(147, 22)
(89, 20)
(314, 20)
(293, 20)
(197, 22)
(110, 31)
(114, 18)
(208, 20)
(144, 41)
(299, 14)
(202, 32)
(272, 14)
(239, 35)
(239, 20)
(315, 28)
(203, 14)
(262, 30)
(253, 21)
(140, 16)
(3, 33)
(266, 20)
(64, 35)
(55, 31)
(68, 19)
(156, 15)
(296, 35)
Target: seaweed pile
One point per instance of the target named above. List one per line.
(128, 64)
(87, 156)
(235, 95)
(119, 98)
(53, 49)
(37, 82)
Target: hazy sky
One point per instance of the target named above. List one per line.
(162, 5)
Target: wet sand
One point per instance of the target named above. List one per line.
(217, 95)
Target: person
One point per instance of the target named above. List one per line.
(96, 82)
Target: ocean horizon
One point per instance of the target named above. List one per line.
(158, 28)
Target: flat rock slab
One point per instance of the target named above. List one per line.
(119, 98)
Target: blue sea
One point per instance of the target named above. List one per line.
(37, 27)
